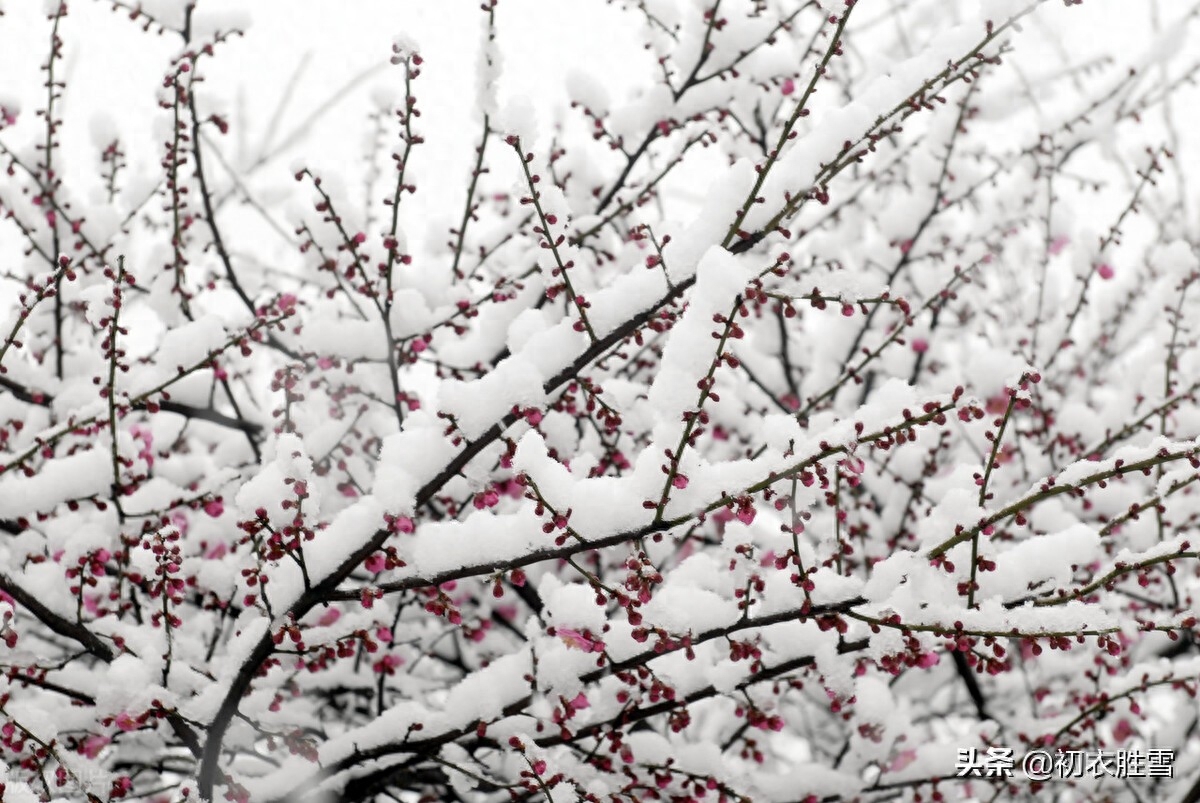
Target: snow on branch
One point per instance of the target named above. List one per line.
(798, 405)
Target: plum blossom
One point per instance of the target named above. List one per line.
(126, 721)
(577, 640)
(93, 744)
(623, 436)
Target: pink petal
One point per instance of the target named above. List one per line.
(93, 744)
(1123, 730)
(902, 760)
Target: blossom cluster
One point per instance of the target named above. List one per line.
(818, 410)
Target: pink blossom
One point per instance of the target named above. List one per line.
(125, 721)
(577, 324)
(769, 723)
(142, 434)
(722, 517)
(576, 640)
(1123, 730)
(488, 498)
(147, 438)
(387, 664)
(854, 465)
(902, 760)
(93, 744)
(996, 405)
(928, 659)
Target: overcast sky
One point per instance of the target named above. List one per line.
(114, 69)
